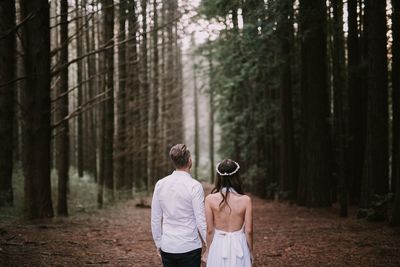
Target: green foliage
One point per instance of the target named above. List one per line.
(378, 210)
(244, 82)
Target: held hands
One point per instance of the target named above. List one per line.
(158, 251)
(204, 257)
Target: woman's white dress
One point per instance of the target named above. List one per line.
(229, 249)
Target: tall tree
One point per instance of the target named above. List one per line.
(195, 112)
(36, 109)
(315, 169)
(356, 103)
(62, 137)
(154, 103)
(91, 72)
(79, 75)
(132, 94)
(108, 9)
(376, 180)
(340, 105)
(211, 114)
(396, 95)
(121, 104)
(395, 220)
(7, 88)
(285, 35)
(144, 97)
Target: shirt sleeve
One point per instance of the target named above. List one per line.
(156, 216)
(198, 209)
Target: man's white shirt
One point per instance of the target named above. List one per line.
(177, 213)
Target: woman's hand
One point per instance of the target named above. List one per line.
(204, 256)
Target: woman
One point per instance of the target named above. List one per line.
(229, 218)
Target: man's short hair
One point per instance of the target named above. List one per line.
(180, 155)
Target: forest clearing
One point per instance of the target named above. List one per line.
(120, 235)
(303, 95)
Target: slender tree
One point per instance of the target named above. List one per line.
(340, 105)
(7, 88)
(108, 12)
(79, 75)
(36, 109)
(356, 103)
(132, 93)
(154, 103)
(395, 95)
(62, 137)
(285, 35)
(211, 114)
(121, 104)
(144, 97)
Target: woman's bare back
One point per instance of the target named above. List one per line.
(228, 218)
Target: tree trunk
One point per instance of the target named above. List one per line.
(196, 112)
(36, 106)
(108, 9)
(132, 94)
(79, 71)
(62, 136)
(92, 70)
(154, 105)
(316, 170)
(395, 220)
(211, 116)
(376, 180)
(7, 88)
(285, 31)
(396, 95)
(356, 103)
(340, 106)
(121, 106)
(144, 99)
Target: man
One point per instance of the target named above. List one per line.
(177, 213)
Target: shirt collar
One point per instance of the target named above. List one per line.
(182, 173)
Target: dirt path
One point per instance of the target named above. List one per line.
(285, 235)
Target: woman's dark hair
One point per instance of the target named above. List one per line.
(234, 181)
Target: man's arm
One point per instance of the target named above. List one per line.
(198, 209)
(156, 217)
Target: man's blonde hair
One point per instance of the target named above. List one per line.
(180, 155)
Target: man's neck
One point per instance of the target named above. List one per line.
(183, 170)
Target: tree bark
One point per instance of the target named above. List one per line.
(144, 100)
(285, 32)
(316, 148)
(36, 110)
(108, 9)
(62, 137)
(211, 115)
(357, 104)
(340, 106)
(121, 107)
(79, 71)
(396, 95)
(7, 74)
(376, 180)
(154, 105)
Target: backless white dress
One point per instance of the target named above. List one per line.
(229, 249)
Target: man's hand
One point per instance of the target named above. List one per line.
(158, 251)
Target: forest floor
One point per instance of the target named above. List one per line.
(120, 235)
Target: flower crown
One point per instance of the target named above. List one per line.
(226, 173)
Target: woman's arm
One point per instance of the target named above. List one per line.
(248, 220)
(210, 225)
